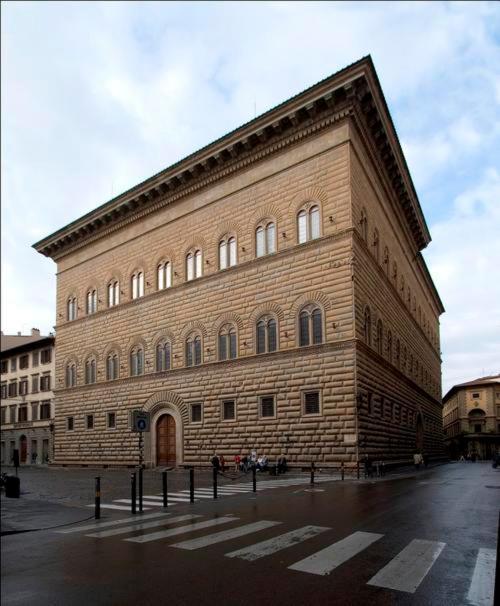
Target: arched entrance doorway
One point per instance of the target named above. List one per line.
(419, 434)
(23, 449)
(166, 441)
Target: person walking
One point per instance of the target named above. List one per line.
(215, 462)
(237, 461)
(417, 459)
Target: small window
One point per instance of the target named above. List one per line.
(46, 356)
(13, 389)
(267, 406)
(164, 272)
(228, 410)
(265, 239)
(91, 305)
(476, 396)
(111, 420)
(45, 410)
(311, 403)
(23, 414)
(137, 285)
(90, 421)
(23, 387)
(70, 423)
(196, 413)
(34, 358)
(4, 392)
(5, 366)
(13, 364)
(477, 428)
(45, 383)
(24, 361)
(113, 293)
(308, 224)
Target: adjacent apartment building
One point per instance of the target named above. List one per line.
(27, 399)
(267, 292)
(471, 418)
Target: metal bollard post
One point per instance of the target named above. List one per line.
(97, 514)
(191, 485)
(215, 482)
(140, 489)
(133, 491)
(164, 486)
(254, 478)
(312, 473)
(342, 470)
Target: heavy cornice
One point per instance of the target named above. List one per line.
(353, 92)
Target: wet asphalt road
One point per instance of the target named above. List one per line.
(454, 505)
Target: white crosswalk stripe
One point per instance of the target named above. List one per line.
(150, 497)
(289, 539)
(163, 534)
(324, 561)
(101, 534)
(117, 507)
(225, 535)
(408, 569)
(482, 585)
(144, 502)
(108, 523)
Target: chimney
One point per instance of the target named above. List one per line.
(35, 332)
(18, 333)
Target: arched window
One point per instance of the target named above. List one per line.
(227, 252)
(380, 337)
(112, 366)
(137, 284)
(310, 326)
(363, 224)
(194, 264)
(113, 293)
(308, 224)
(164, 275)
(266, 335)
(71, 308)
(163, 356)
(395, 272)
(92, 301)
(387, 264)
(227, 343)
(376, 245)
(193, 350)
(389, 346)
(265, 239)
(368, 326)
(137, 361)
(398, 353)
(90, 371)
(71, 375)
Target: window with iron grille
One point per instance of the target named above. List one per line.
(45, 410)
(311, 403)
(228, 410)
(111, 420)
(70, 423)
(267, 406)
(196, 413)
(90, 421)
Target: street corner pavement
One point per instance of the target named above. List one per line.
(21, 515)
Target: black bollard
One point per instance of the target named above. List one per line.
(342, 470)
(254, 478)
(191, 485)
(97, 514)
(215, 482)
(164, 486)
(312, 473)
(140, 489)
(133, 491)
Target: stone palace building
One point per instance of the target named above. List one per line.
(268, 292)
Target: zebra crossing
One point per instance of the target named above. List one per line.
(404, 573)
(182, 496)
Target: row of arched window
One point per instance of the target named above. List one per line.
(392, 350)
(398, 281)
(308, 228)
(310, 332)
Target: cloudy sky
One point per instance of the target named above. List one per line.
(98, 96)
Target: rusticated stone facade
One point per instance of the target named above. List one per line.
(332, 151)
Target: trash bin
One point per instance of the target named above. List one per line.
(12, 487)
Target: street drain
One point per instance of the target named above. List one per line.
(498, 487)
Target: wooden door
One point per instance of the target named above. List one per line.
(165, 441)
(23, 447)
